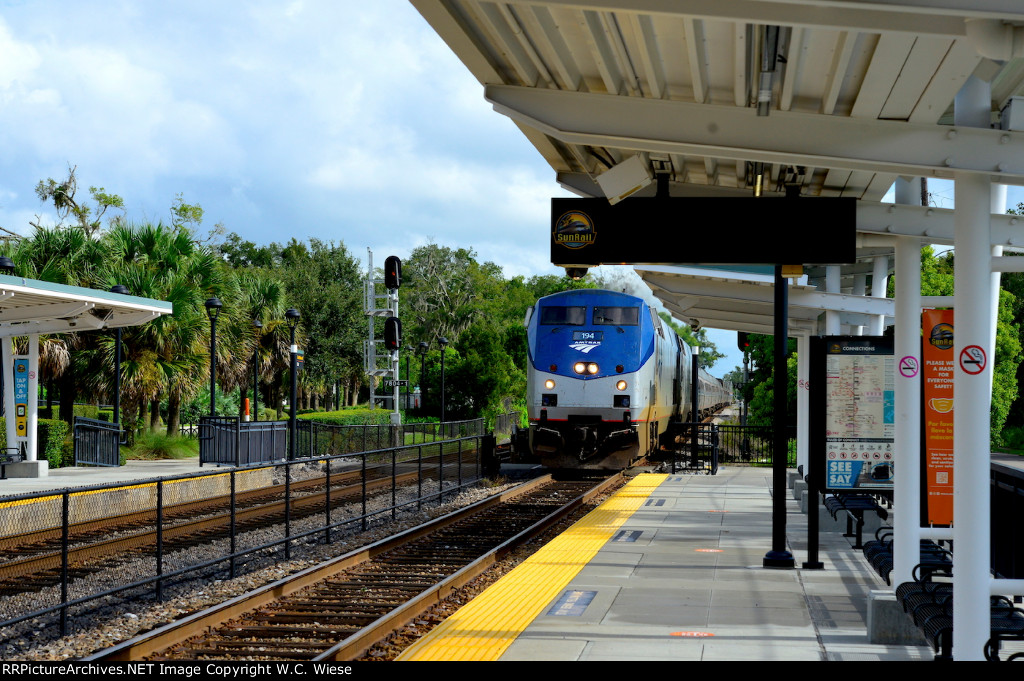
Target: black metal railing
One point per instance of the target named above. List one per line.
(227, 440)
(746, 444)
(314, 438)
(1007, 503)
(504, 424)
(419, 474)
(96, 443)
(705, 446)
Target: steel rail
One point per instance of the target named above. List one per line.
(169, 635)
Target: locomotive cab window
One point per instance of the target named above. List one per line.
(551, 315)
(617, 316)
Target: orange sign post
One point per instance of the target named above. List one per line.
(937, 386)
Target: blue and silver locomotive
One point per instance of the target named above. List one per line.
(606, 378)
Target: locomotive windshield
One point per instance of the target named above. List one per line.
(617, 316)
(562, 315)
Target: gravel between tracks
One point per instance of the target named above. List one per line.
(405, 637)
(120, 619)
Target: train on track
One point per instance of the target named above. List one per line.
(607, 380)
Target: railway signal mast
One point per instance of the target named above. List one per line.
(384, 365)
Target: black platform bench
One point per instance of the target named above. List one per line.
(855, 506)
(878, 553)
(929, 602)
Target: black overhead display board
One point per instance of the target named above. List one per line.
(650, 231)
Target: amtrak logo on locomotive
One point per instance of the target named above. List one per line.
(585, 341)
(575, 230)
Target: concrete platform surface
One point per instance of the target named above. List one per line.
(681, 578)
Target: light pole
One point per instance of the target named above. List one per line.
(123, 290)
(257, 325)
(213, 306)
(422, 350)
(292, 317)
(443, 342)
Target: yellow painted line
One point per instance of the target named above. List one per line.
(487, 625)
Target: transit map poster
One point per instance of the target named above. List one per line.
(858, 415)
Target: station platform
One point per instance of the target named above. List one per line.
(73, 477)
(670, 568)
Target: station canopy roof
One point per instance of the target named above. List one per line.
(29, 306)
(839, 97)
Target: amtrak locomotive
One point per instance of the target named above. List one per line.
(606, 379)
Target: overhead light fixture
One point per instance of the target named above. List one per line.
(625, 179)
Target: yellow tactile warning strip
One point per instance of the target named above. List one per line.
(487, 626)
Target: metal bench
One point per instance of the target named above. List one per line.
(929, 602)
(854, 506)
(878, 553)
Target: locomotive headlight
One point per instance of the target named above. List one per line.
(621, 385)
(580, 367)
(591, 368)
(549, 384)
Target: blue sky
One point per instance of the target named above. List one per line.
(343, 121)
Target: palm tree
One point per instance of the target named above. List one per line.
(169, 354)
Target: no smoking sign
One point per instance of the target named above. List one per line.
(973, 359)
(909, 366)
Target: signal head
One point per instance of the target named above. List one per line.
(392, 272)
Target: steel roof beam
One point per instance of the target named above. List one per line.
(874, 17)
(785, 137)
(83, 323)
(40, 312)
(803, 296)
(933, 224)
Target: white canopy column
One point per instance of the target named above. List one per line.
(972, 399)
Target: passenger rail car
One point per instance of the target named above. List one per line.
(606, 379)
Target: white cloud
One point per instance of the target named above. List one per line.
(341, 120)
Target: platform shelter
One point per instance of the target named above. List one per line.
(814, 98)
(30, 308)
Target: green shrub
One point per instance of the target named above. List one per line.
(88, 411)
(51, 434)
(158, 445)
(1013, 438)
(350, 417)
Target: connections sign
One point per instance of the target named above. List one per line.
(856, 425)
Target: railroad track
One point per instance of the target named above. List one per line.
(38, 561)
(341, 608)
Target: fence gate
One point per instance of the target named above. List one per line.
(97, 443)
(226, 440)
